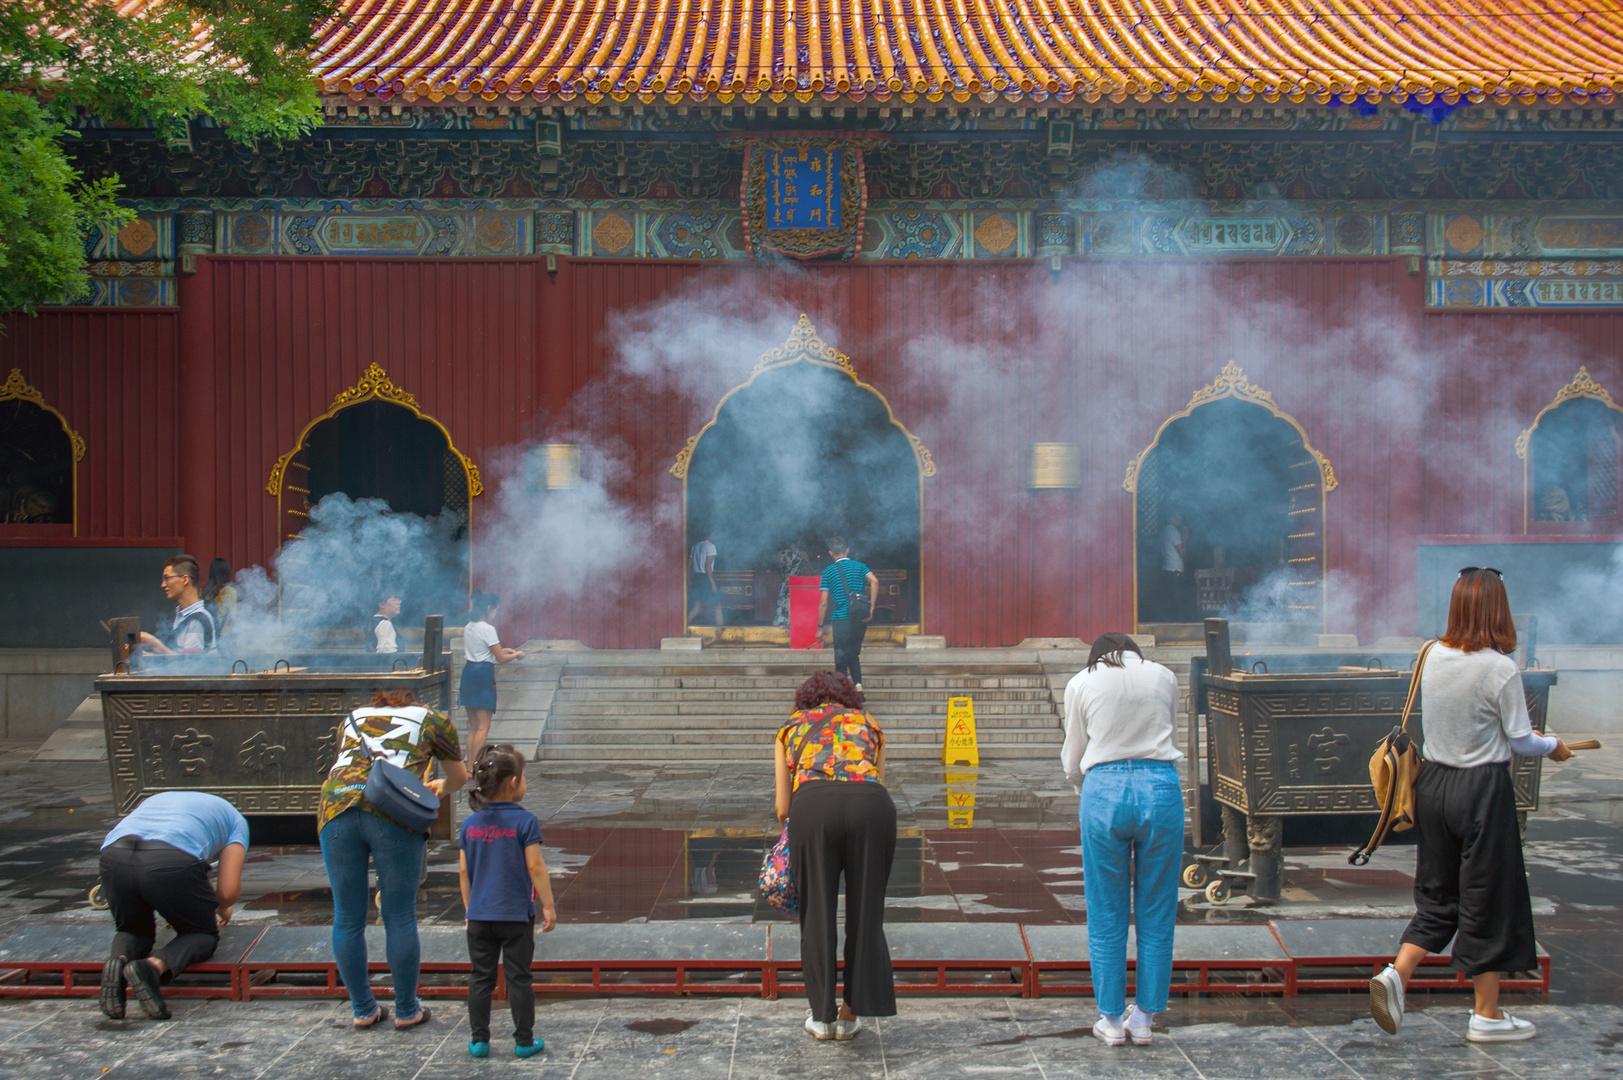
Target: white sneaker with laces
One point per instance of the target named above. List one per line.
(1137, 1025)
(1386, 999)
(846, 1030)
(1507, 1028)
(1109, 1031)
(820, 1031)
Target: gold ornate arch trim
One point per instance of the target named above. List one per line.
(374, 384)
(17, 388)
(1582, 386)
(1232, 383)
(804, 346)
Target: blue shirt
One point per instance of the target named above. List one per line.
(196, 823)
(493, 842)
(856, 582)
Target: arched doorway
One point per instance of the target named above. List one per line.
(375, 446)
(801, 452)
(1571, 460)
(39, 459)
(1237, 484)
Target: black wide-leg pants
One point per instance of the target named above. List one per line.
(145, 878)
(1470, 883)
(513, 944)
(844, 827)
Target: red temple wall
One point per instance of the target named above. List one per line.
(184, 412)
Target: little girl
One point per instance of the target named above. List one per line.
(482, 650)
(502, 874)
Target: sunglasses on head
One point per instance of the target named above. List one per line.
(1482, 569)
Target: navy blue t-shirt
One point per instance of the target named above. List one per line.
(493, 841)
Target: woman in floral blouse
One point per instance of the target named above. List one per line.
(829, 761)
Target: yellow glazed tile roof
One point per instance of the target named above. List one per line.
(990, 50)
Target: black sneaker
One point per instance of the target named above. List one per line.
(142, 977)
(112, 988)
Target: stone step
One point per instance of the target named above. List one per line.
(680, 707)
(679, 752)
(768, 698)
(870, 684)
(564, 722)
(661, 736)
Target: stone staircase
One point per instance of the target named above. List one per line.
(728, 704)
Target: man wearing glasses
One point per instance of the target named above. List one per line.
(193, 629)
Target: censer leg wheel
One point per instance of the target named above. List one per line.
(1218, 892)
(1194, 876)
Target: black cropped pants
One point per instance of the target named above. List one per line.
(1470, 883)
(844, 827)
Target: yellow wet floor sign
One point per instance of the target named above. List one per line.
(960, 747)
(961, 799)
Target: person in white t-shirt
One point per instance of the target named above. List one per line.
(384, 638)
(702, 579)
(1174, 546)
(1121, 737)
(482, 650)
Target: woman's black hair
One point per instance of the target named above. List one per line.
(491, 769)
(1107, 650)
(219, 578)
(480, 603)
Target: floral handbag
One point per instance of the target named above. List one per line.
(777, 884)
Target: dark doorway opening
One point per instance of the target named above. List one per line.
(379, 451)
(1250, 497)
(801, 454)
(36, 466)
(1577, 453)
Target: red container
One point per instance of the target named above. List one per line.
(803, 598)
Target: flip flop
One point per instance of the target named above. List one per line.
(374, 1020)
(423, 1016)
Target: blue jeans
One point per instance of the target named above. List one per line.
(347, 841)
(1132, 812)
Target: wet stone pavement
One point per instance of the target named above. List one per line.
(667, 843)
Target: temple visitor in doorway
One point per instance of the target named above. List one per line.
(702, 580)
(382, 631)
(847, 594)
(792, 561)
(829, 770)
(352, 832)
(1470, 882)
(157, 861)
(220, 596)
(482, 650)
(193, 629)
(1174, 547)
(1121, 737)
(502, 875)
(1554, 504)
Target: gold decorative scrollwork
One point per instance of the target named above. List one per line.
(16, 388)
(1231, 382)
(1581, 387)
(803, 345)
(374, 384)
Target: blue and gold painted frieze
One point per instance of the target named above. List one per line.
(1500, 255)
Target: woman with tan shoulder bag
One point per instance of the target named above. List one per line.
(1470, 882)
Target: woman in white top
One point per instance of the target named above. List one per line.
(1470, 883)
(1120, 735)
(482, 650)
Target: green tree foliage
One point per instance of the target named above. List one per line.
(245, 63)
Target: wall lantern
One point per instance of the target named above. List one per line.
(552, 467)
(1055, 466)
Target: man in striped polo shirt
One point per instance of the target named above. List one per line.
(193, 629)
(846, 580)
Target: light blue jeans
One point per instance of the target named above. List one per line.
(347, 842)
(1132, 841)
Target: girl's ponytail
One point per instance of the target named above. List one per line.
(491, 769)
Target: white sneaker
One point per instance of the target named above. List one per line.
(819, 1030)
(846, 1030)
(1137, 1025)
(1505, 1029)
(859, 688)
(1386, 999)
(1109, 1031)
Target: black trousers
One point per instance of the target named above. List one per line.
(1470, 883)
(514, 944)
(848, 635)
(844, 827)
(140, 877)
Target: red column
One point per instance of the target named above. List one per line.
(200, 452)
